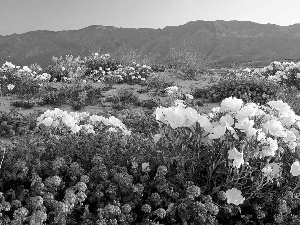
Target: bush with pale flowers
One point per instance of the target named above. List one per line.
(73, 120)
(255, 139)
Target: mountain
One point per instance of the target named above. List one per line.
(220, 41)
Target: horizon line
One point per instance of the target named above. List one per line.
(153, 28)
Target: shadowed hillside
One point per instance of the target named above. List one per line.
(220, 41)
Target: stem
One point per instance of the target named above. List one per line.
(2, 156)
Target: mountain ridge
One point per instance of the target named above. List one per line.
(221, 41)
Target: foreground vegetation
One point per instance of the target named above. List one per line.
(168, 163)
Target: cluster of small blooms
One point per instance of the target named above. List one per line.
(10, 87)
(178, 116)
(58, 118)
(135, 72)
(43, 77)
(279, 71)
(171, 90)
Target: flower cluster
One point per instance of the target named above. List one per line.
(287, 73)
(104, 68)
(73, 120)
(265, 131)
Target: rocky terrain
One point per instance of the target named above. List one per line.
(220, 41)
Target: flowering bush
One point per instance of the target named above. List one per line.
(77, 121)
(247, 88)
(66, 69)
(248, 135)
(24, 82)
(104, 68)
(285, 73)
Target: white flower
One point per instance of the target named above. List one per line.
(247, 70)
(95, 118)
(271, 170)
(290, 136)
(75, 128)
(247, 111)
(179, 103)
(156, 137)
(292, 145)
(145, 167)
(48, 121)
(244, 124)
(261, 135)
(226, 119)
(217, 132)
(112, 129)
(176, 116)
(189, 96)
(134, 165)
(215, 109)
(274, 127)
(172, 89)
(232, 104)
(295, 169)
(270, 148)
(204, 122)
(10, 87)
(238, 158)
(251, 131)
(143, 78)
(234, 196)
(281, 106)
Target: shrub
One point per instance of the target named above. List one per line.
(249, 89)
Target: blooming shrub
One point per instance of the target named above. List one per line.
(249, 89)
(25, 82)
(77, 121)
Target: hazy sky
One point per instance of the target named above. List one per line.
(20, 16)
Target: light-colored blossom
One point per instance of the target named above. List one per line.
(295, 169)
(231, 104)
(145, 167)
(244, 124)
(226, 119)
(270, 147)
(248, 110)
(10, 87)
(234, 196)
(48, 121)
(156, 137)
(217, 132)
(272, 170)
(189, 96)
(238, 157)
(274, 127)
(281, 106)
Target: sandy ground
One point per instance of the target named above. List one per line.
(185, 85)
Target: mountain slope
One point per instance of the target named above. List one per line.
(221, 41)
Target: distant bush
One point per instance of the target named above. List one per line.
(185, 62)
(249, 89)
